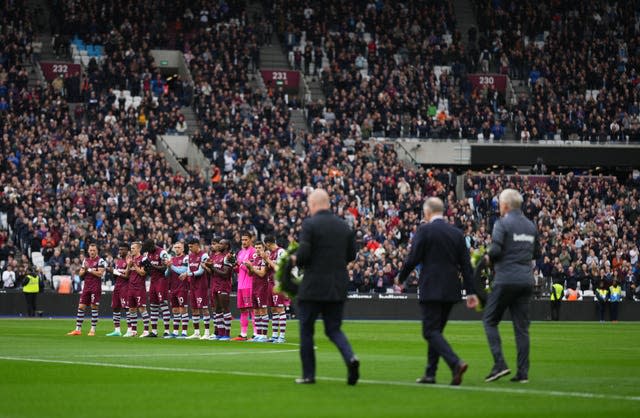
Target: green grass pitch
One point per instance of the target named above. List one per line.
(577, 369)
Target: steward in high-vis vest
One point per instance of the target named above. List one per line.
(557, 290)
(31, 288)
(615, 297)
(602, 298)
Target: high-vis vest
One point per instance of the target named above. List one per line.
(33, 285)
(602, 293)
(556, 291)
(616, 294)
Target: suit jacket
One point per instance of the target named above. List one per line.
(441, 249)
(327, 244)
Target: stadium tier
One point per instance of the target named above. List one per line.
(80, 162)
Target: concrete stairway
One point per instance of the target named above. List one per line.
(193, 123)
(272, 56)
(299, 120)
(465, 17)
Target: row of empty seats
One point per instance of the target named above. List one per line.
(38, 261)
(82, 53)
(91, 50)
(131, 101)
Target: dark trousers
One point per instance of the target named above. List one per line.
(308, 312)
(613, 310)
(434, 319)
(31, 303)
(555, 309)
(601, 308)
(516, 298)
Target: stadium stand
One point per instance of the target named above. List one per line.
(580, 61)
(74, 174)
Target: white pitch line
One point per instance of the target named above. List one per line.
(555, 393)
(212, 354)
(133, 339)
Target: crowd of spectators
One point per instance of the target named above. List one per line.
(16, 36)
(74, 177)
(220, 48)
(587, 224)
(67, 183)
(391, 69)
(580, 60)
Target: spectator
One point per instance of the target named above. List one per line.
(615, 298)
(181, 125)
(9, 278)
(57, 263)
(602, 298)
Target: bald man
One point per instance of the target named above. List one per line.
(327, 244)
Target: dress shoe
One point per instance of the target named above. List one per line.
(354, 371)
(305, 381)
(458, 371)
(426, 379)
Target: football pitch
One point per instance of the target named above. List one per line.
(577, 369)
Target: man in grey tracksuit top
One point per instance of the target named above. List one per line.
(514, 245)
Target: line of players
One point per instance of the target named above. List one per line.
(181, 280)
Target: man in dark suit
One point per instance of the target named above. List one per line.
(442, 251)
(327, 244)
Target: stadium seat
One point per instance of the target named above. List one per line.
(37, 259)
(47, 272)
(63, 284)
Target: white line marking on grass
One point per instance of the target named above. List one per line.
(133, 339)
(209, 354)
(555, 393)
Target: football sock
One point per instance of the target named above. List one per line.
(227, 324)
(177, 317)
(217, 324)
(79, 319)
(94, 318)
(153, 309)
(207, 320)
(244, 323)
(116, 320)
(166, 316)
(196, 322)
(283, 324)
(145, 320)
(185, 322)
(256, 325)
